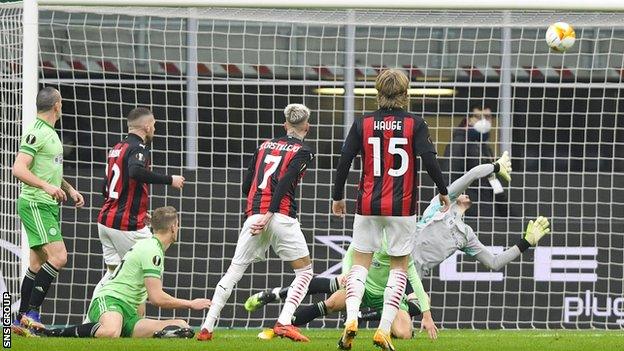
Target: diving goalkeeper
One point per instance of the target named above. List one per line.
(438, 236)
(114, 307)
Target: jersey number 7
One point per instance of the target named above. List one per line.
(273, 162)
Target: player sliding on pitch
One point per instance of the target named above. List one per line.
(415, 303)
(114, 308)
(435, 242)
(270, 184)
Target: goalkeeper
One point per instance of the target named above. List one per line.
(114, 307)
(439, 235)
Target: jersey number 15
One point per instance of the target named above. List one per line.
(394, 148)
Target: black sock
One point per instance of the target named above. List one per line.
(75, 331)
(414, 308)
(408, 288)
(26, 290)
(43, 280)
(305, 314)
(320, 285)
(283, 292)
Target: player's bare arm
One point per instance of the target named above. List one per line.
(71, 192)
(21, 171)
(157, 297)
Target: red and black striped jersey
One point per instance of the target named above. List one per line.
(273, 175)
(125, 207)
(389, 142)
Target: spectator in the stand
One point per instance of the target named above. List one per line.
(469, 148)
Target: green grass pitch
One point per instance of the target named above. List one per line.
(461, 340)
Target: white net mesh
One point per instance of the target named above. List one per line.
(562, 112)
(10, 116)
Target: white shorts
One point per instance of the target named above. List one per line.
(115, 243)
(283, 234)
(368, 234)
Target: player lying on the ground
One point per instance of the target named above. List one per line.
(375, 285)
(270, 185)
(113, 309)
(435, 241)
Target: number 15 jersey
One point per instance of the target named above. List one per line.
(389, 142)
(273, 175)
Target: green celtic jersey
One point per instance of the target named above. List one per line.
(42, 143)
(143, 260)
(379, 271)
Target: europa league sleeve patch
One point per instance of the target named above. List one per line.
(156, 260)
(31, 139)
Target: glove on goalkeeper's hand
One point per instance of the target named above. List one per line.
(536, 230)
(504, 163)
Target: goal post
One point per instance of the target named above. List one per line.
(218, 74)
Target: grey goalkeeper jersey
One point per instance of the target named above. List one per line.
(440, 234)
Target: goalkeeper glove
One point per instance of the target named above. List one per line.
(536, 230)
(504, 163)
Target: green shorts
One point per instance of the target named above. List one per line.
(376, 301)
(41, 221)
(102, 304)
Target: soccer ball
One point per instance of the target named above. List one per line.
(560, 36)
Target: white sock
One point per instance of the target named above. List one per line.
(99, 286)
(356, 279)
(296, 293)
(395, 288)
(222, 293)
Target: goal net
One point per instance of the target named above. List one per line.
(218, 80)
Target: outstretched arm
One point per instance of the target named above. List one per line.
(460, 185)
(534, 232)
(502, 167)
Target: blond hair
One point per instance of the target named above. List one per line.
(296, 114)
(163, 218)
(392, 85)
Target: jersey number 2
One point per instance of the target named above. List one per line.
(394, 148)
(273, 162)
(113, 183)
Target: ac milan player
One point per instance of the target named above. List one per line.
(389, 140)
(122, 219)
(270, 184)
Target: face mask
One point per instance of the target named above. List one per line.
(483, 126)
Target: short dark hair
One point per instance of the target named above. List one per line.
(163, 218)
(137, 113)
(46, 98)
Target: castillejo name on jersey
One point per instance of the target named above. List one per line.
(280, 146)
(388, 125)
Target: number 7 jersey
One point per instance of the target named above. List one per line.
(389, 142)
(273, 175)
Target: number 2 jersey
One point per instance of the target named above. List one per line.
(273, 175)
(125, 207)
(389, 142)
